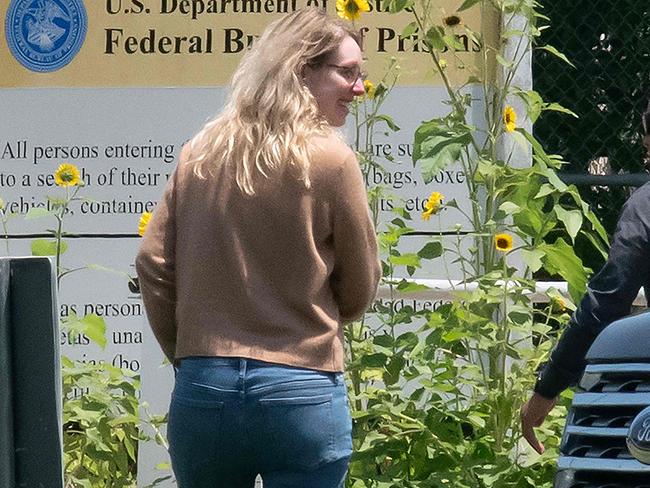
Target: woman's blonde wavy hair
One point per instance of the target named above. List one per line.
(271, 116)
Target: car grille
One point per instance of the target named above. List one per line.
(593, 453)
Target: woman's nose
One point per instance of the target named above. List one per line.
(358, 88)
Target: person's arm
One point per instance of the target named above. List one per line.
(356, 263)
(609, 297)
(155, 265)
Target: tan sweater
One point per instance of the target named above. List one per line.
(269, 277)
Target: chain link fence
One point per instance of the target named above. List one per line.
(608, 42)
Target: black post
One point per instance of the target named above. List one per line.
(31, 414)
(6, 397)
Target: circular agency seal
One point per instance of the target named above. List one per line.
(45, 35)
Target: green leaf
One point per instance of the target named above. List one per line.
(519, 317)
(476, 420)
(91, 325)
(595, 223)
(468, 4)
(572, 220)
(435, 37)
(37, 213)
(560, 258)
(557, 53)
(534, 103)
(453, 42)
(431, 166)
(399, 5)
(374, 360)
(453, 335)
(95, 329)
(410, 29)
(438, 143)
(389, 121)
(383, 340)
(545, 163)
(392, 236)
(408, 286)
(510, 208)
(124, 419)
(598, 244)
(45, 247)
(556, 107)
(431, 250)
(504, 62)
(512, 33)
(407, 339)
(530, 220)
(408, 259)
(96, 440)
(130, 448)
(545, 190)
(532, 258)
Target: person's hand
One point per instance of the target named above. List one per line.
(533, 414)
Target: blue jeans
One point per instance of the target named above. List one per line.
(232, 418)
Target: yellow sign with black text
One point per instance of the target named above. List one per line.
(133, 43)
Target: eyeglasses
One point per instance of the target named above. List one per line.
(349, 73)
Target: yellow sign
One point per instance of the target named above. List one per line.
(130, 43)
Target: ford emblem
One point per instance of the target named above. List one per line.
(638, 436)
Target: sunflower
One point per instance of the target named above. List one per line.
(351, 9)
(510, 118)
(503, 242)
(370, 88)
(558, 304)
(433, 205)
(452, 21)
(67, 175)
(144, 222)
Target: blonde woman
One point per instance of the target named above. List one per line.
(259, 250)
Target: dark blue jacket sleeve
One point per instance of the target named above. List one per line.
(609, 296)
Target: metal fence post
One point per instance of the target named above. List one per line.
(31, 448)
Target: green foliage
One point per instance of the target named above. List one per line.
(91, 325)
(100, 425)
(436, 394)
(45, 247)
(609, 90)
(101, 410)
(438, 143)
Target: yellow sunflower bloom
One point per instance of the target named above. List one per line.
(67, 175)
(351, 9)
(510, 118)
(558, 305)
(433, 205)
(144, 222)
(503, 242)
(370, 88)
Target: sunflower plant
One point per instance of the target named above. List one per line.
(437, 394)
(101, 426)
